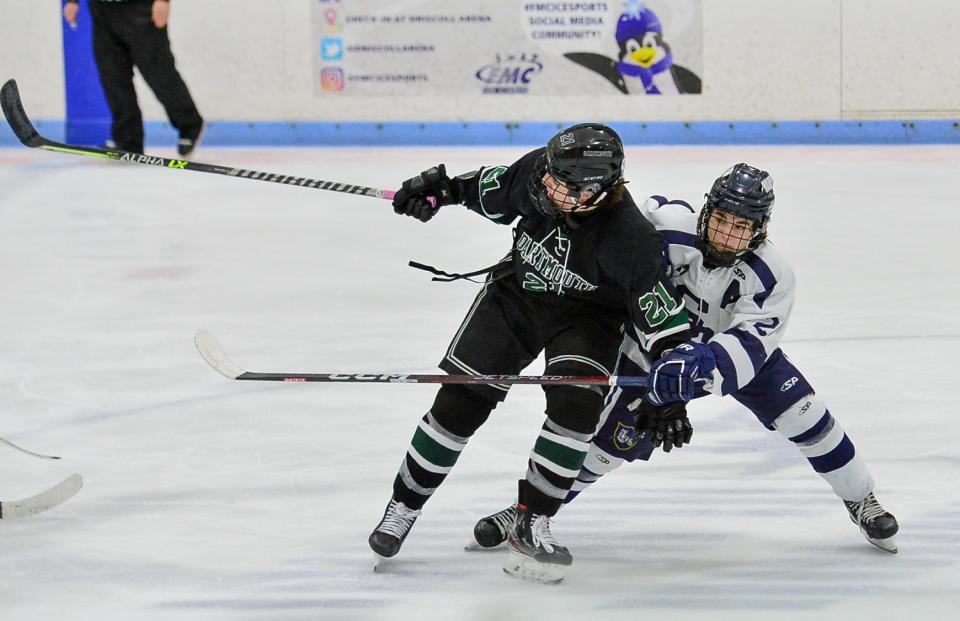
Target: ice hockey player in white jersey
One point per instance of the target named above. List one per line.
(738, 290)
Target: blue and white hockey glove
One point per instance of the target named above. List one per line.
(675, 376)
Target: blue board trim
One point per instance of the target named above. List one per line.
(492, 133)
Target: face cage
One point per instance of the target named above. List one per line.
(720, 258)
(569, 196)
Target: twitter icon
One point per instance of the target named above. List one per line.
(331, 48)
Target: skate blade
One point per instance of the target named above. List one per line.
(525, 568)
(473, 546)
(887, 545)
(381, 563)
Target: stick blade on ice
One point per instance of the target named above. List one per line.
(56, 495)
(211, 351)
(17, 116)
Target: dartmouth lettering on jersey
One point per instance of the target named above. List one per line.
(549, 267)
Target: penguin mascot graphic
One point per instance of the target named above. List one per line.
(645, 63)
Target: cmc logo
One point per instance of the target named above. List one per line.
(331, 79)
(509, 74)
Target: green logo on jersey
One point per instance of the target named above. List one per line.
(553, 273)
(491, 179)
(532, 282)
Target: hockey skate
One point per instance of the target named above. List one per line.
(491, 531)
(388, 536)
(534, 553)
(877, 524)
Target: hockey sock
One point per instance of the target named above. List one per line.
(597, 463)
(440, 437)
(822, 440)
(554, 465)
(561, 447)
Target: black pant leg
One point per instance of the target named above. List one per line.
(499, 336)
(152, 56)
(115, 66)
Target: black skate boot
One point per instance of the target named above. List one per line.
(876, 523)
(189, 140)
(534, 553)
(388, 536)
(491, 531)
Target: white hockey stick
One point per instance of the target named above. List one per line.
(59, 493)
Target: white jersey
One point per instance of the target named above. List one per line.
(741, 312)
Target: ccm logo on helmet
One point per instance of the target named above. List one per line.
(790, 383)
(566, 139)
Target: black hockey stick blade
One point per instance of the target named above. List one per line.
(17, 116)
(212, 352)
(58, 494)
(23, 450)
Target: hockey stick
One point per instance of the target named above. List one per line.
(59, 493)
(29, 136)
(23, 450)
(211, 351)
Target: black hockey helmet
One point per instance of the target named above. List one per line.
(583, 157)
(743, 191)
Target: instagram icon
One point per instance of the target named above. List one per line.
(331, 79)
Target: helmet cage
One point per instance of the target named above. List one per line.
(741, 191)
(582, 158)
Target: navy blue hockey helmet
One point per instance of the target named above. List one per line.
(742, 191)
(583, 157)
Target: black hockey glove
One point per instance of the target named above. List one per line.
(665, 425)
(413, 197)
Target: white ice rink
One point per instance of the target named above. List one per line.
(211, 499)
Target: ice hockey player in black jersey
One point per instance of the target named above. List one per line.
(739, 291)
(584, 263)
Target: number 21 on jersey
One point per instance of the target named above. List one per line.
(658, 305)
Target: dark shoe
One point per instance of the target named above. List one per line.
(876, 523)
(393, 528)
(534, 553)
(492, 530)
(190, 139)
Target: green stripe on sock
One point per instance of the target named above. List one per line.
(563, 456)
(433, 451)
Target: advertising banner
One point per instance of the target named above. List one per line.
(493, 48)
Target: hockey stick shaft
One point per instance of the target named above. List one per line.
(214, 355)
(23, 450)
(30, 137)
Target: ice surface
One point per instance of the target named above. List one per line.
(211, 499)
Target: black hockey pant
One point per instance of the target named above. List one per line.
(124, 38)
(504, 331)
